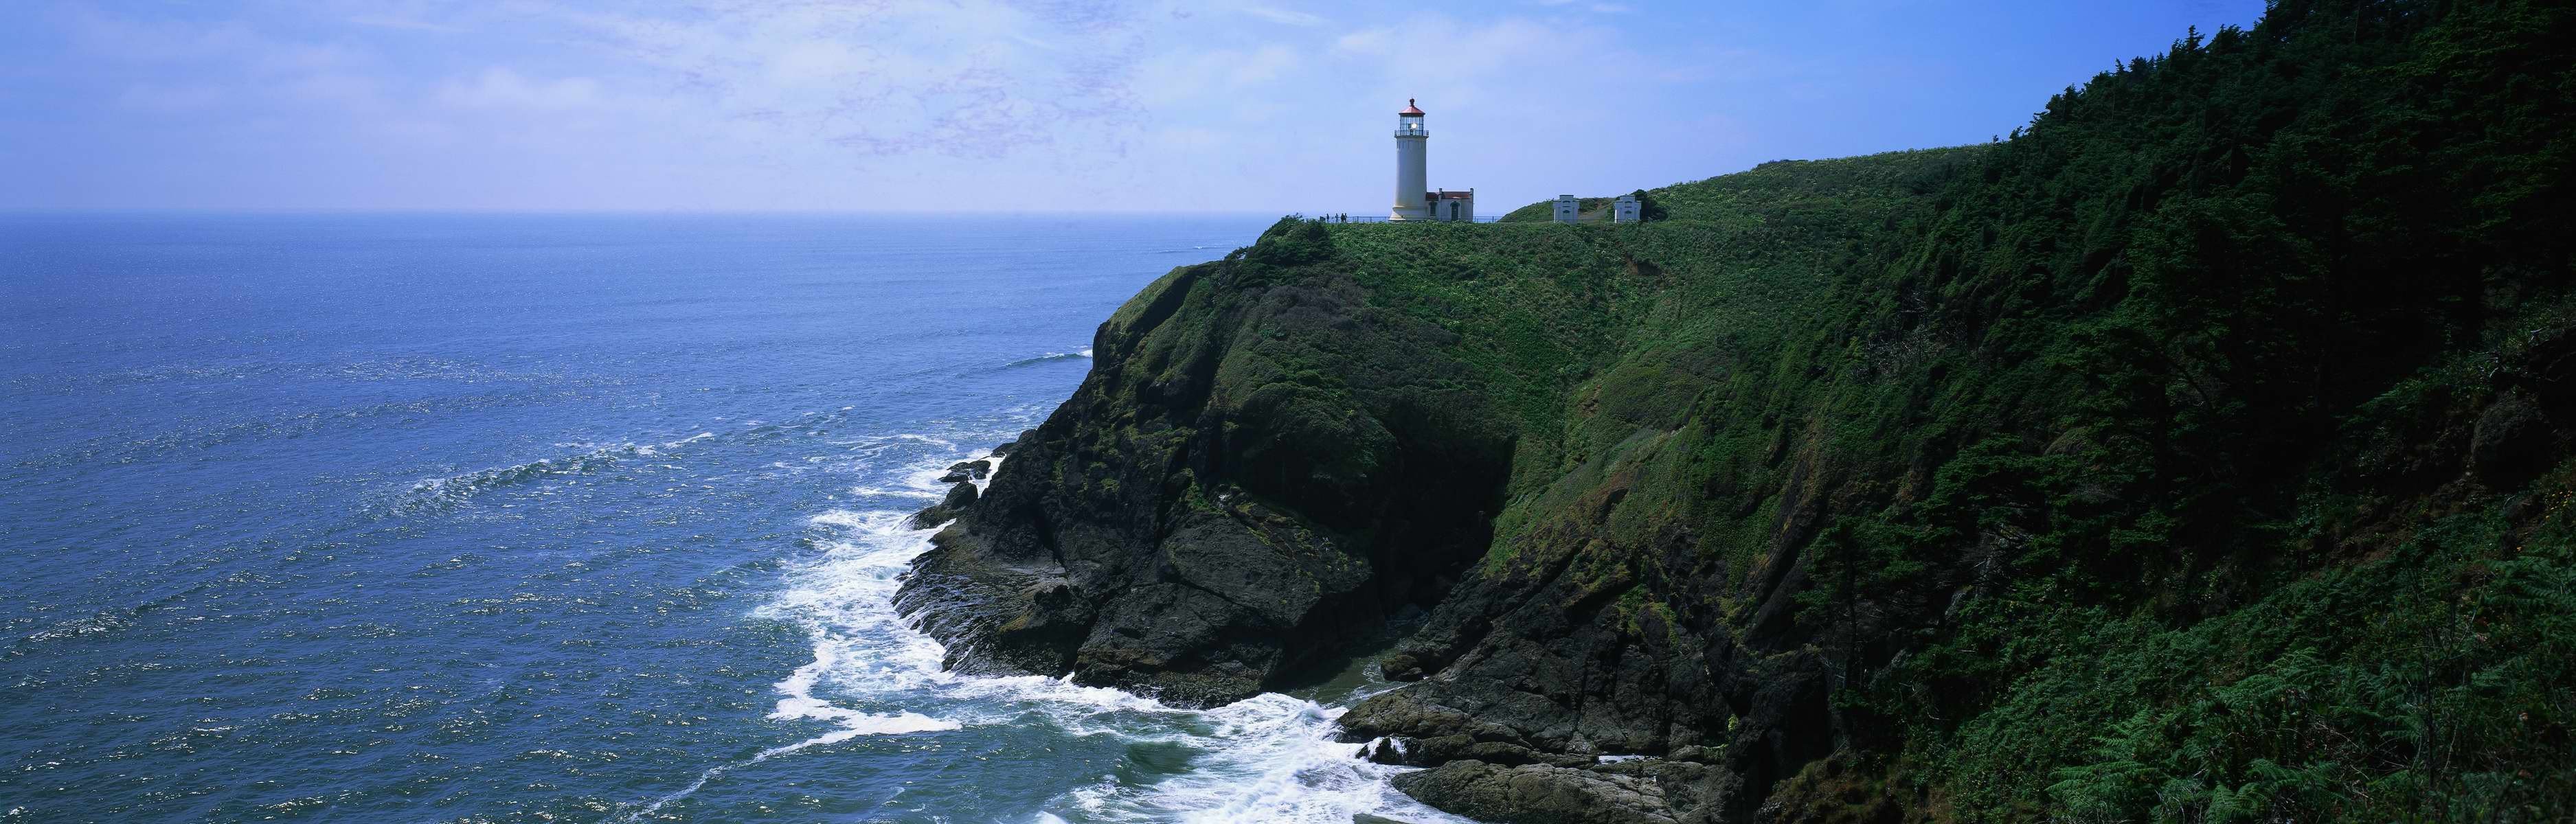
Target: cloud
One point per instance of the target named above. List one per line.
(1366, 41)
(1596, 8)
(1199, 76)
(502, 88)
(973, 78)
(1282, 16)
(337, 91)
(100, 35)
(387, 22)
(172, 98)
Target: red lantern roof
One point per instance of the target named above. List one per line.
(1409, 109)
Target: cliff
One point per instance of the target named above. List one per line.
(2199, 453)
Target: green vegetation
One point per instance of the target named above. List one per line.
(2199, 454)
(1745, 198)
(2148, 465)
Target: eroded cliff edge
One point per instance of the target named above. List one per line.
(2199, 453)
(1260, 467)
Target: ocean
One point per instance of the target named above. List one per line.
(550, 518)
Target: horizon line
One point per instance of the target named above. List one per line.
(427, 210)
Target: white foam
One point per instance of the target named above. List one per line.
(890, 492)
(924, 483)
(799, 703)
(884, 440)
(1084, 352)
(986, 484)
(1271, 758)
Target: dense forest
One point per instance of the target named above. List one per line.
(2200, 452)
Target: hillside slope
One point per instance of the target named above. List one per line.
(2200, 453)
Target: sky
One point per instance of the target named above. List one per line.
(1267, 106)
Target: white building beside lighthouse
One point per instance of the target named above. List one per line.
(1414, 199)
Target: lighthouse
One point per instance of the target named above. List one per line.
(1412, 201)
(1410, 179)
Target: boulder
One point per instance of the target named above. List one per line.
(1437, 750)
(955, 503)
(1540, 794)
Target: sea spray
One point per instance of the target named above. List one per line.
(1271, 758)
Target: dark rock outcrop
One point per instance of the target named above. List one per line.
(959, 497)
(1210, 512)
(1621, 793)
(974, 470)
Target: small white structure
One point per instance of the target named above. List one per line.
(1414, 200)
(1626, 209)
(1567, 208)
(1452, 207)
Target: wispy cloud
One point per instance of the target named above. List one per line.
(172, 98)
(957, 78)
(502, 88)
(405, 23)
(1596, 8)
(1187, 77)
(1276, 15)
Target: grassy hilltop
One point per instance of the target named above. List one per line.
(2200, 453)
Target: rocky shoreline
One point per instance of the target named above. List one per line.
(1189, 527)
(1482, 770)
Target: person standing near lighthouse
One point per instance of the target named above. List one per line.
(1411, 181)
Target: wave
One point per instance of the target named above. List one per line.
(435, 494)
(1271, 758)
(109, 623)
(383, 369)
(193, 434)
(1085, 352)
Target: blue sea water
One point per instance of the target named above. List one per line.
(559, 518)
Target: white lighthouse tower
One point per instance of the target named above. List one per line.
(1410, 180)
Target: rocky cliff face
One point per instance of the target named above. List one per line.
(1255, 473)
(2199, 454)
